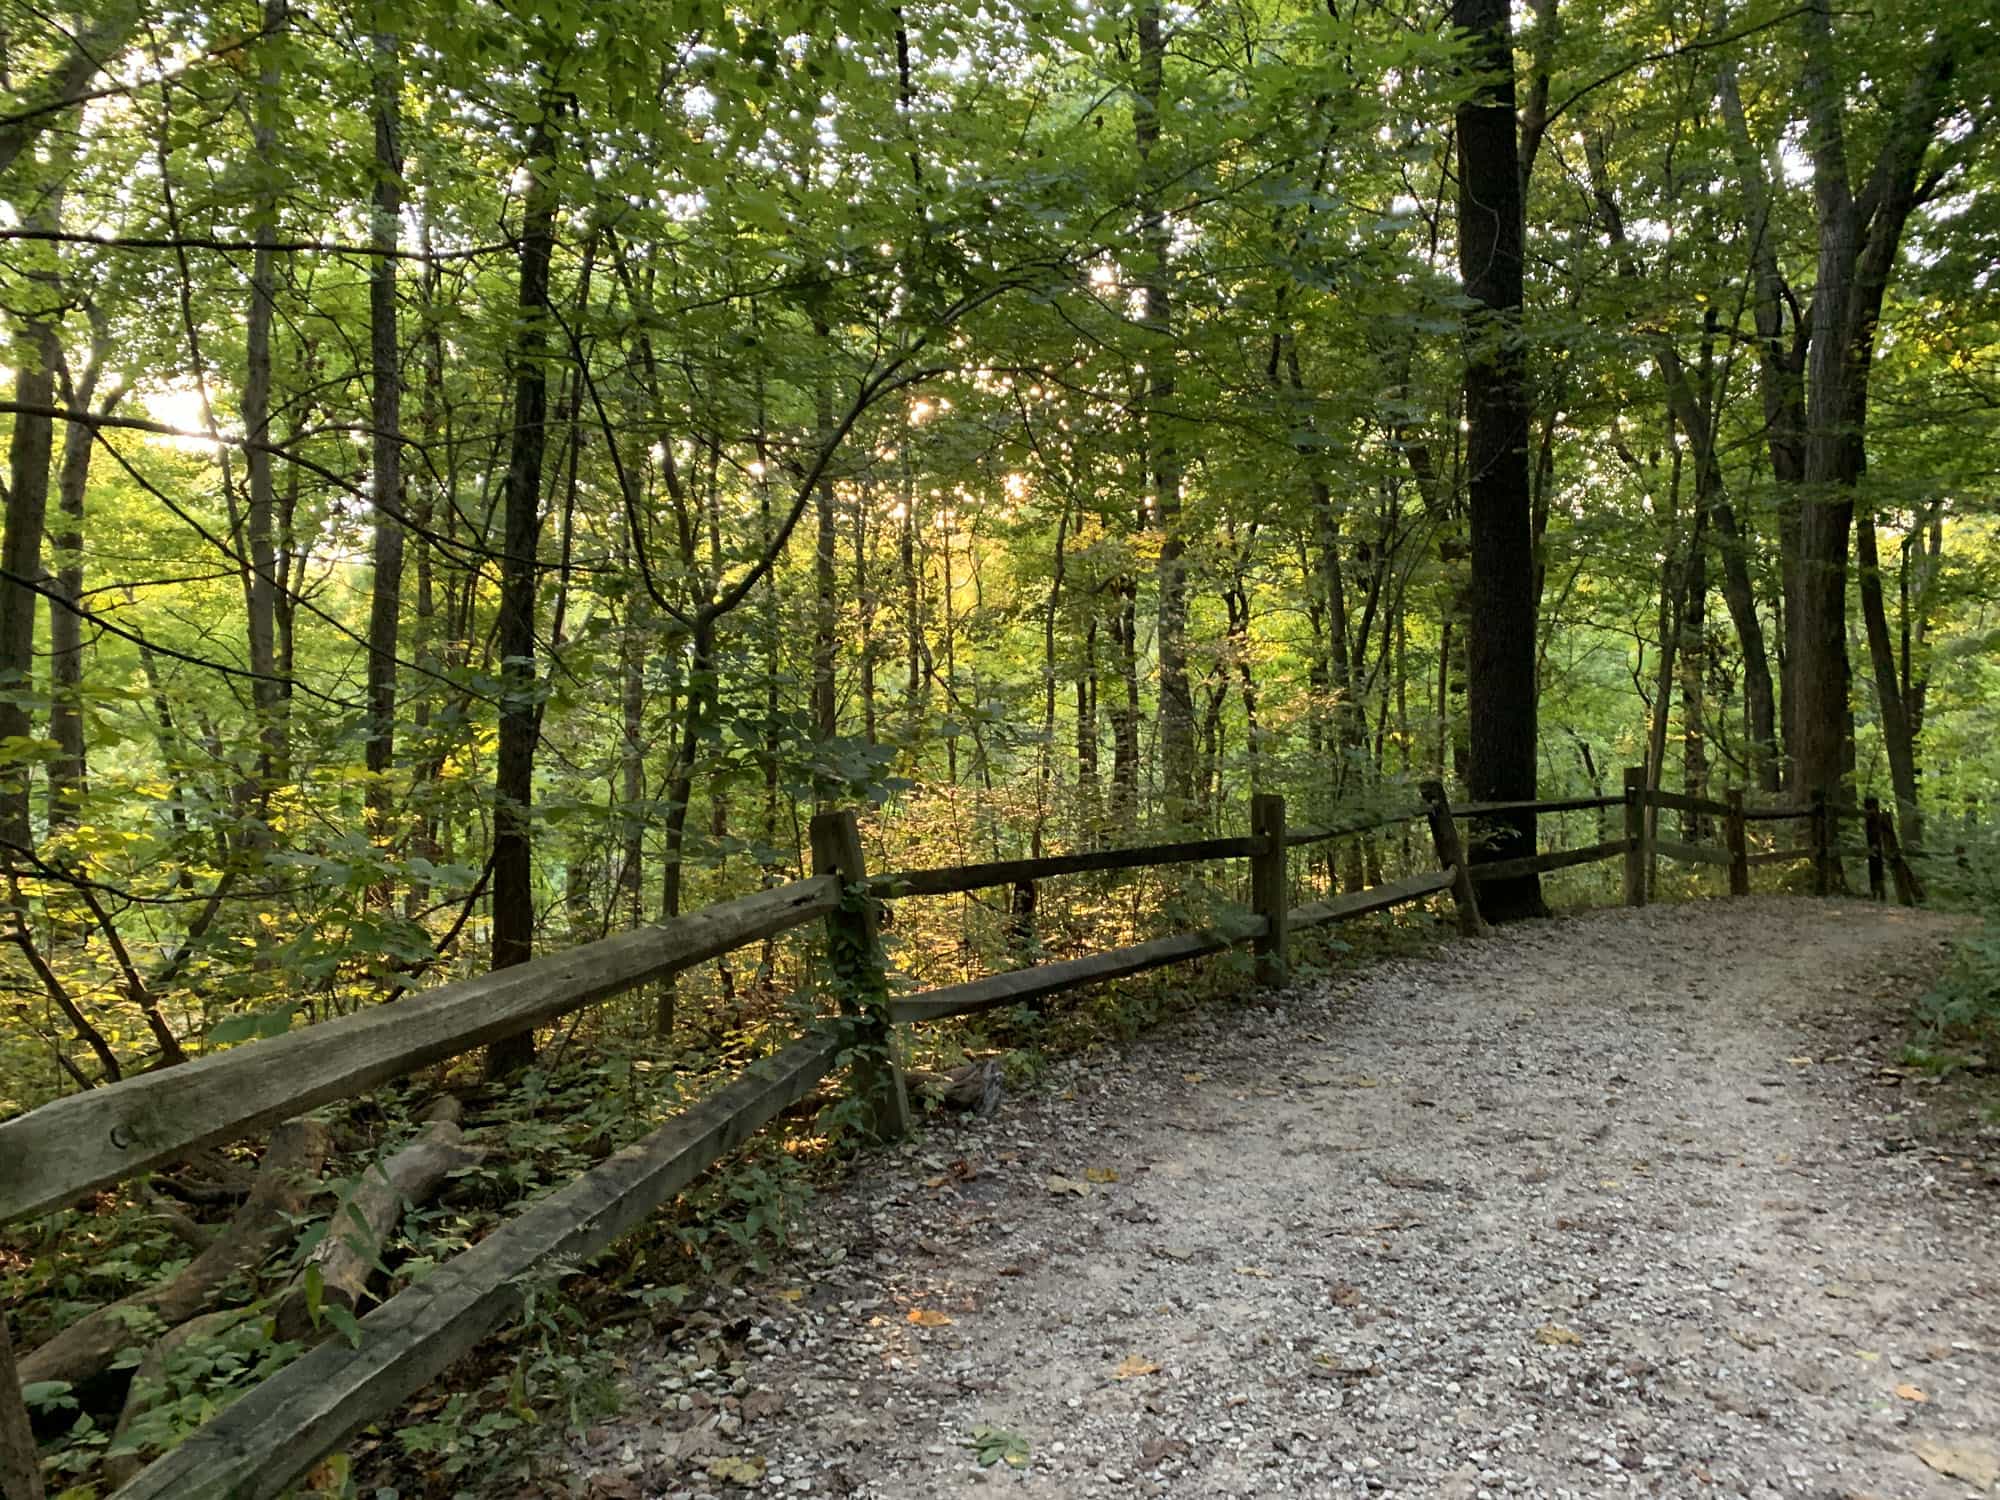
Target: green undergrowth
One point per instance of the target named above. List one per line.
(1955, 1027)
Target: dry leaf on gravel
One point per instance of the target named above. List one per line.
(1058, 1185)
(1099, 1174)
(929, 1317)
(1133, 1366)
(746, 1471)
(1554, 1334)
(1974, 1465)
(1911, 1393)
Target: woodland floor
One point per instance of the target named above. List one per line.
(1627, 1202)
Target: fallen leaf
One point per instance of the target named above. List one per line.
(759, 1404)
(1365, 1083)
(934, 1182)
(1911, 1393)
(1867, 1356)
(1973, 1465)
(745, 1471)
(1133, 1366)
(1058, 1184)
(791, 1294)
(1099, 1174)
(929, 1317)
(1555, 1333)
(1192, 1077)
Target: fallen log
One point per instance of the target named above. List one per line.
(351, 1248)
(286, 1178)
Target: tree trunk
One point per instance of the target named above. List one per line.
(514, 776)
(1176, 706)
(260, 531)
(385, 416)
(68, 770)
(1500, 683)
(37, 353)
(826, 611)
(1898, 735)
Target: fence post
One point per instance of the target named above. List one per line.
(1451, 856)
(1270, 890)
(855, 951)
(1635, 835)
(1908, 889)
(20, 1464)
(1871, 811)
(1822, 840)
(1737, 838)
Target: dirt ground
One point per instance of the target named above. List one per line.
(1622, 1203)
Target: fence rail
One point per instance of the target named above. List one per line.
(278, 1431)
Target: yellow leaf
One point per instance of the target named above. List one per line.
(1133, 1366)
(745, 1471)
(1099, 1174)
(1555, 1333)
(1974, 1465)
(1192, 1077)
(929, 1317)
(1911, 1393)
(792, 1293)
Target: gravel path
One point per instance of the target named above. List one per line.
(1618, 1204)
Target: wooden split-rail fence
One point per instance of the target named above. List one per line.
(278, 1431)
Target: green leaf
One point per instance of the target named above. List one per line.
(342, 1319)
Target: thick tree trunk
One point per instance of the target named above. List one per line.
(1858, 240)
(514, 777)
(1500, 684)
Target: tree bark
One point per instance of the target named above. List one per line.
(20, 1460)
(37, 354)
(385, 417)
(1500, 683)
(68, 769)
(514, 776)
(263, 579)
(1176, 707)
